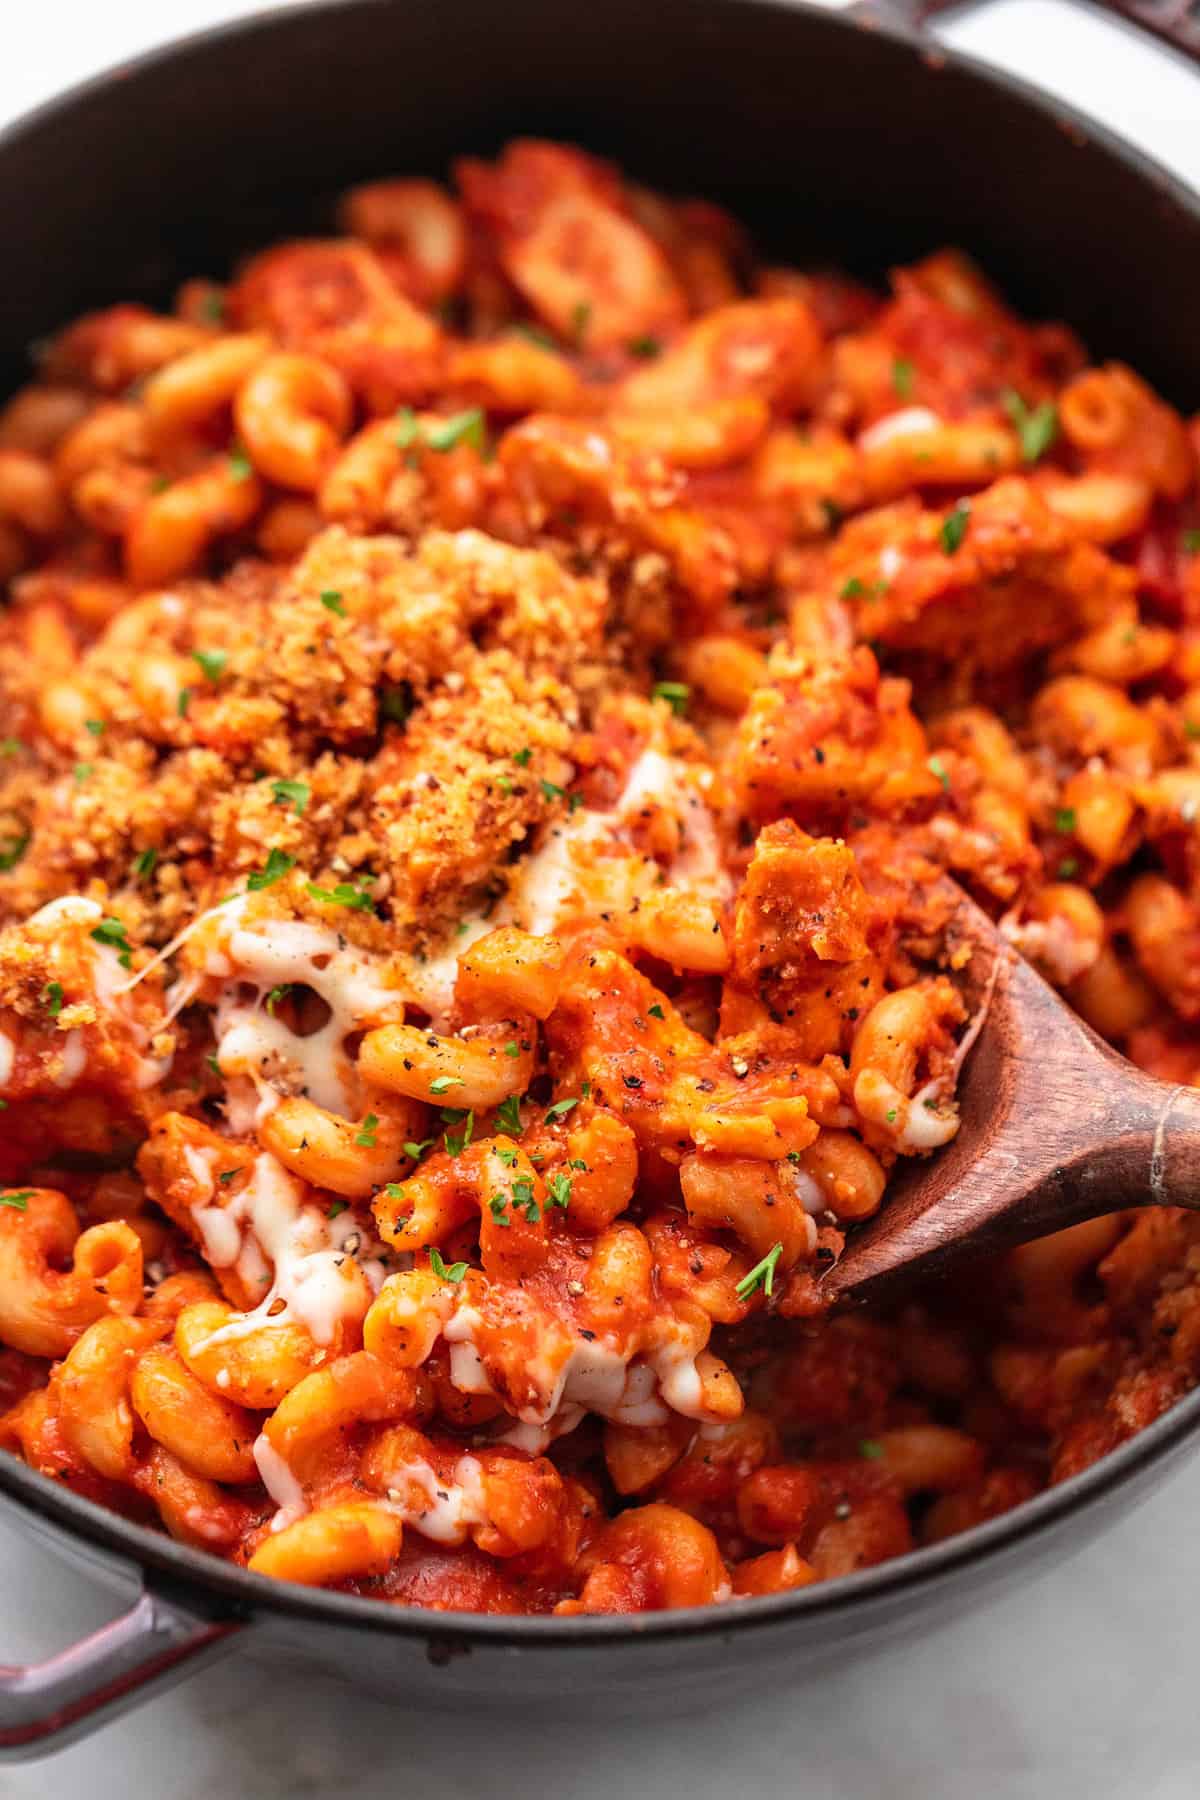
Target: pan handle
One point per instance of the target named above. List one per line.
(1176, 22)
(43, 1706)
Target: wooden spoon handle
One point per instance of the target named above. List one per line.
(1056, 1127)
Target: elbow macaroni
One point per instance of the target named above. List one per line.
(487, 701)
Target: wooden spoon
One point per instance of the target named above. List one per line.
(1055, 1127)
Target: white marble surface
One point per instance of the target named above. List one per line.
(1080, 1686)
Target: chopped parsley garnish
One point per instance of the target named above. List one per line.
(469, 427)
(17, 1198)
(1191, 728)
(854, 589)
(456, 1141)
(394, 1189)
(240, 466)
(647, 346)
(416, 1149)
(869, 1448)
(560, 1109)
(408, 428)
(395, 703)
(52, 994)
(12, 851)
(581, 318)
(95, 726)
(762, 1275)
(891, 1118)
(344, 893)
(276, 995)
(656, 1011)
(455, 1272)
(213, 1064)
(512, 1048)
(143, 866)
(937, 767)
(1036, 427)
(508, 1115)
(675, 693)
(507, 1155)
(535, 335)
(559, 1188)
(183, 702)
(498, 1206)
(112, 933)
(1191, 540)
(441, 1084)
(82, 771)
(227, 1175)
(521, 757)
(212, 662)
(1068, 868)
(902, 377)
(212, 307)
(551, 790)
(364, 1137)
(1064, 820)
(954, 527)
(335, 1209)
(523, 1197)
(292, 793)
(11, 746)
(278, 864)
(331, 600)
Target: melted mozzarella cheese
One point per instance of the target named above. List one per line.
(280, 1483)
(306, 1259)
(252, 1043)
(109, 985)
(909, 421)
(8, 1056)
(442, 1510)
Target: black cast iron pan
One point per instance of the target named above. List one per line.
(845, 136)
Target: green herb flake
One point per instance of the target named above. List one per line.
(112, 933)
(454, 1273)
(1191, 540)
(524, 1198)
(902, 377)
(469, 427)
(332, 601)
(12, 850)
(11, 746)
(143, 865)
(534, 334)
(212, 662)
(17, 1198)
(675, 693)
(344, 893)
(871, 1449)
(498, 1207)
(762, 1275)
(937, 767)
(1068, 868)
(212, 307)
(1036, 427)
(240, 466)
(82, 771)
(456, 1142)
(183, 702)
(1064, 820)
(521, 757)
(646, 346)
(441, 1084)
(551, 790)
(560, 1109)
(364, 1137)
(95, 726)
(335, 1209)
(508, 1115)
(854, 589)
(558, 1187)
(656, 1011)
(416, 1149)
(295, 794)
(395, 704)
(954, 527)
(507, 1155)
(408, 428)
(227, 1175)
(52, 994)
(212, 1063)
(278, 864)
(581, 318)
(276, 995)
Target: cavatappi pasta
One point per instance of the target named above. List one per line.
(488, 699)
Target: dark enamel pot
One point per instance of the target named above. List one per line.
(840, 136)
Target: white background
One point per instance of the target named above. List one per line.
(1082, 1686)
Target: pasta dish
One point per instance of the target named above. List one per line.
(489, 701)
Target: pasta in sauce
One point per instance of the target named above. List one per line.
(488, 700)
